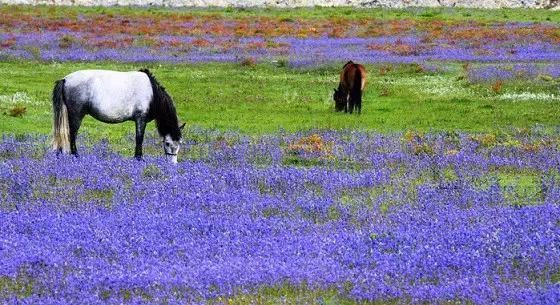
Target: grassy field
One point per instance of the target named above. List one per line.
(265, 98)
(268, 97)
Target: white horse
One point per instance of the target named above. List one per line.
(114, 97)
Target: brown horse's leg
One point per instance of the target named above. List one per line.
(350, 103)
(360, 103)
(356, 97)
(356, 91)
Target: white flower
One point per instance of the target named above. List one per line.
(18, 98)
(526, 96)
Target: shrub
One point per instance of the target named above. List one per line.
(17, 111)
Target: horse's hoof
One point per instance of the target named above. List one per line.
(138, 158)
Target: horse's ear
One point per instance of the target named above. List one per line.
(182, 126)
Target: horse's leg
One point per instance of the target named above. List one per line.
(356, 97)
(74, 123)
(351, 103)
(360, 103)
(140, 128)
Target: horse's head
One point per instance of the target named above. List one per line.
(339, 100)
(171, 145)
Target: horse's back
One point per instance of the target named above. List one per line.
(111, 96)
(106, 80)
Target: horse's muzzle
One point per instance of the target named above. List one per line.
(171, 157)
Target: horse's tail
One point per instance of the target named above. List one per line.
(61, 128)
(356, 90)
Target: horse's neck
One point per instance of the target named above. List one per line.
(341, 87)
(158, 117)
(152, 115)
(164, 113)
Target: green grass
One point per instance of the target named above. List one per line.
(22, 286)
(290, 295)
(454, 14)
(264, 99)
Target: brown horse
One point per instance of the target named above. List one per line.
(349, 93)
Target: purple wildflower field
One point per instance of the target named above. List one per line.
(186, 38)
(405, 218)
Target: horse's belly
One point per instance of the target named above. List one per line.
(119, 106)
(112, 115)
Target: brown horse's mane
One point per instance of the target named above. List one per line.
(348, 63)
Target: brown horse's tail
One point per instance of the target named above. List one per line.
(61, 129)
(356, 91)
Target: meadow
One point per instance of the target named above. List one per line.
(444, 190)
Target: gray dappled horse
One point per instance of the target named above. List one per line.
(114, 97)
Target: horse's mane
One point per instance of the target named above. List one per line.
(348, 63)
(163, 110)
